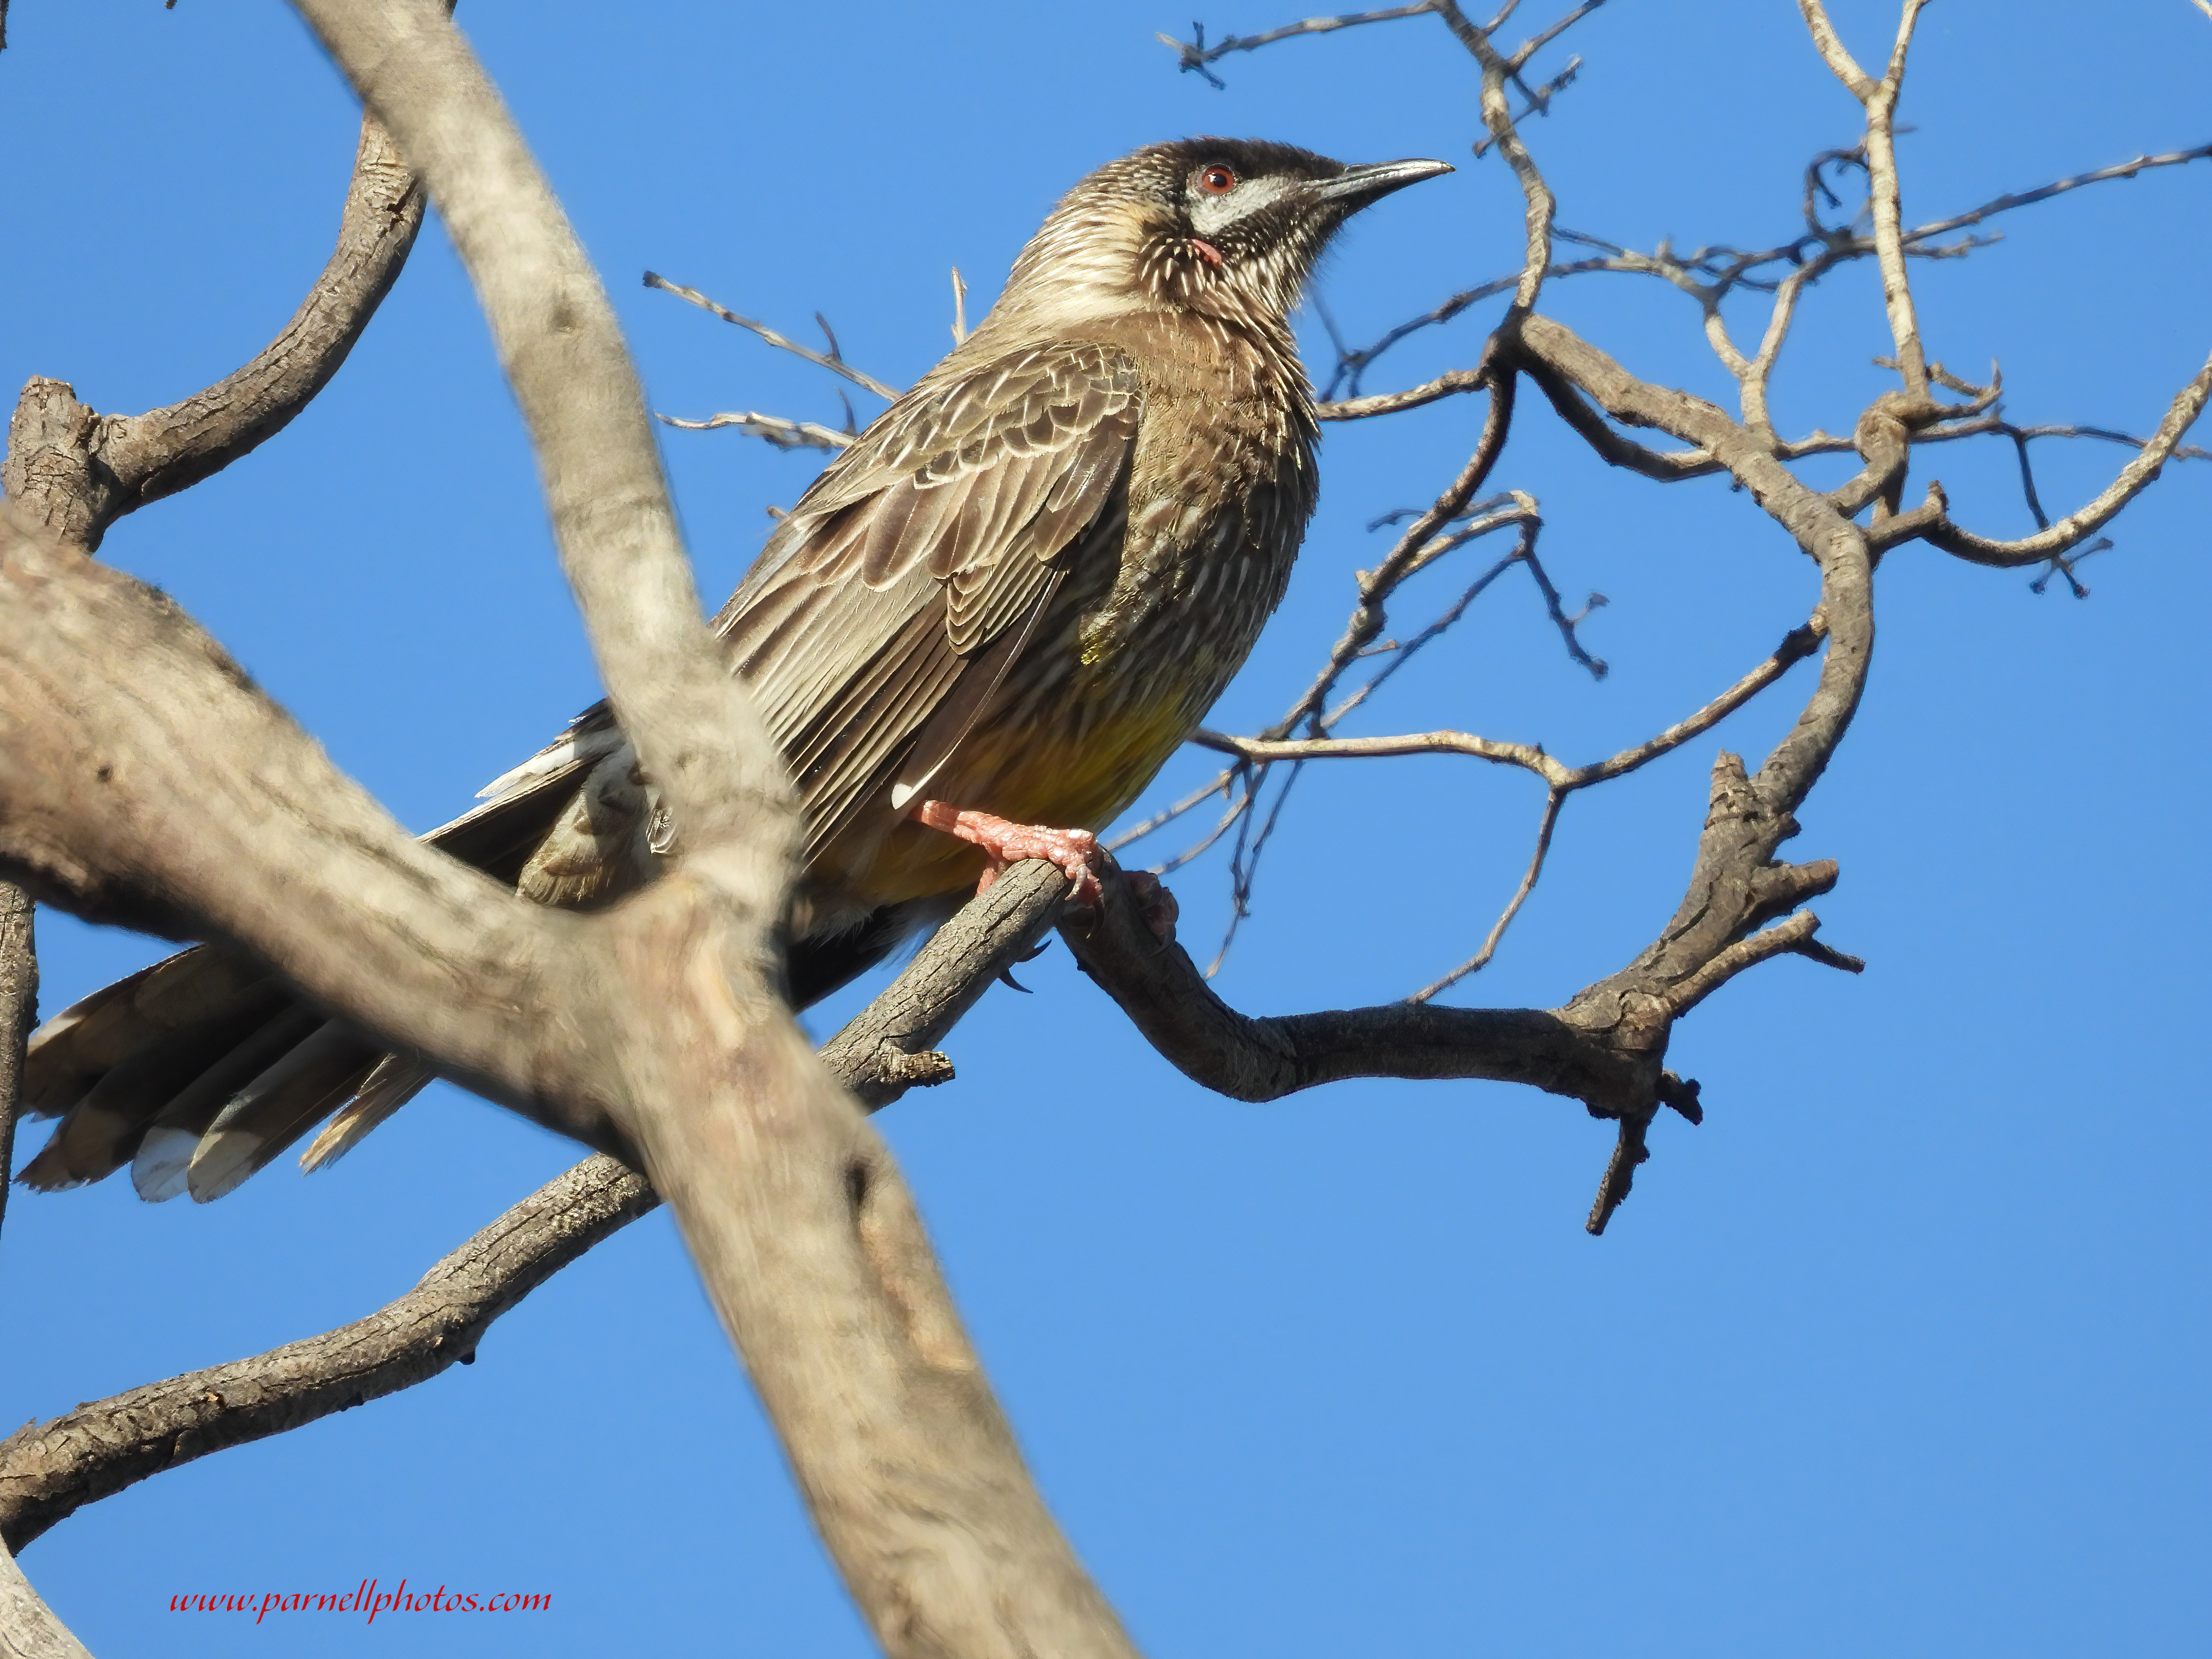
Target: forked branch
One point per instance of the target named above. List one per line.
(78, 471)
(49, 1470)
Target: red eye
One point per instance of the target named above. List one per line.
(1217, 180)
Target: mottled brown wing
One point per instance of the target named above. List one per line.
(943, 529)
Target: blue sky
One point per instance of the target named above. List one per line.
(1901, 1352)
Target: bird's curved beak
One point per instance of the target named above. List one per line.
(1356, 188)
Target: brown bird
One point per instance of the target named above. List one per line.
(1001, 609)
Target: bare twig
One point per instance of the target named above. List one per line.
(1390, 403)
(49, 1470)
(1194, 54)
(1375, 586)
(1168, 815)
(1499, 121)
(784, 435)
(2007, 204)
(2077, 527)
(1557, 776)
(1709, 275)
(1232, 819)
(829, 360)
(1553, 801)
(1544, 38)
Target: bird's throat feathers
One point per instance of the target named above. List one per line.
(1138, 236)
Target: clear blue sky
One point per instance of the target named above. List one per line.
(1901, 1353)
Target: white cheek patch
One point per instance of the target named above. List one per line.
(1210, 214)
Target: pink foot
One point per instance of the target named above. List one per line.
(1075, 851)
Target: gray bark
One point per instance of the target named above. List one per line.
(19, 1012)
(28, 1629)
(49, 1470)
(76, 472)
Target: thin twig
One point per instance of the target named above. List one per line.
(772, 429)
(829, 360)
(1194, 54)
(1553, 801)
(1799, 644)
(1537, 43)
(1169, 814)
(1709, 274)
(2078, 526)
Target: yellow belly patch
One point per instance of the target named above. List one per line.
(1040, 775)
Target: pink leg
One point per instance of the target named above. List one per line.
(1004, 842)
(1075, 851)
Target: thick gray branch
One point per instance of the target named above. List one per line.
(803, 1232)
(49, 1470)
(145, 781)
(168, 791)
(571, 372)
(28, 1629)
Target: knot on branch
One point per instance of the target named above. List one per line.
(53, 470)
(924, 1070)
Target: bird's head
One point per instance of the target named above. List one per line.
(1230, 228)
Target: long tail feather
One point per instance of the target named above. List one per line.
(395, 1081)
(102, 1131)
(287, 1098)
(164, 1157)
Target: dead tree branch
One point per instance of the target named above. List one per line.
(78, 471)
(782, 434)
(1606, 1045)
(1559, 777)
(2057, 539)
(49, 1470)
(1390, 403)
(654, 1023)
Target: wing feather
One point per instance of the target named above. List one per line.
(946, 528)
